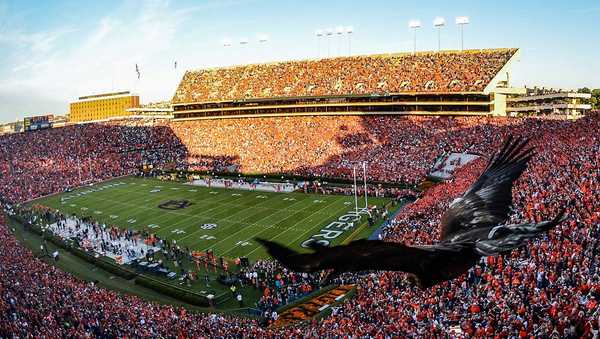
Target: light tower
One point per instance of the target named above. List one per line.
(461, 21)
(319, 35)
(339, 30)
(329, 34)
(438, 23)
(349, 31)
(414, 25)
(262, 41)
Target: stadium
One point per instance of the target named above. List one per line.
(144, 224)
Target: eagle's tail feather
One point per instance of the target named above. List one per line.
(285, 255)
(514, 236)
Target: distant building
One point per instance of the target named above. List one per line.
(11, 127)
(548, 103)
(103, 106)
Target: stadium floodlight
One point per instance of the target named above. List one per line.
(438, 23)
(349, 31)
(339, 31)
(329, 34)
(319, 34)
(414, 25)
(461, 21)
(226, 42)
(263, 38)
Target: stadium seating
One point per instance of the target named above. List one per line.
(550, 288)
(452, 71)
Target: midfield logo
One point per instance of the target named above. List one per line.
(174, 204)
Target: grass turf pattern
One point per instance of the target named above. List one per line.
(239, 215)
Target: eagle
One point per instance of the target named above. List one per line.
(474, 225)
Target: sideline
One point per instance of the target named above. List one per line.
(377, 232)
(75, 188)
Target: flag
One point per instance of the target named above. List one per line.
(137, 70)
(175, 64)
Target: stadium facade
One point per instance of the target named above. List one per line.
(545, 103)
(471, 82)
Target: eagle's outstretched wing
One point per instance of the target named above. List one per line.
(429, 264)
(487, 202)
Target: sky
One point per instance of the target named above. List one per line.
(52, 52)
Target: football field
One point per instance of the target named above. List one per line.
(224, 220)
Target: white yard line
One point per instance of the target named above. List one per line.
(291, 226)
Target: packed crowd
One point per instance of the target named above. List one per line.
(549, 288)
(396, 149)
(376, 74)
(49, 161)
(279, 286)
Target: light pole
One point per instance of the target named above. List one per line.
(349, 31)
(226, 42)
(414, 25)
(339, 30)
(329, 34)
(461, 21)
(319, 35)
(262, 40)
(438, 23)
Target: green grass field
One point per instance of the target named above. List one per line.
(239, 215)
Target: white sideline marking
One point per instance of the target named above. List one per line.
(324, 307)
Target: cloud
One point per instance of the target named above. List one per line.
(102, 60)
(37, 42)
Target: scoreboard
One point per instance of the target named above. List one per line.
(37, 122)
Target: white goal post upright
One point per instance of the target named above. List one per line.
(365, 180)
(355, 191)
